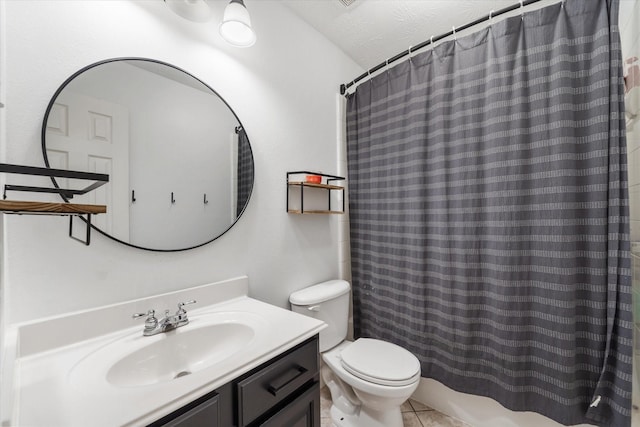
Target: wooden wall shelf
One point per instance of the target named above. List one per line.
(47, 208)
(50, 208)
(327, 183)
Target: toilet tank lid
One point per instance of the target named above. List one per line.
(320, 293)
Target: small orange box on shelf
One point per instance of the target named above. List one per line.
(314, 179)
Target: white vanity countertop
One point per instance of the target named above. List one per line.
(49, 392)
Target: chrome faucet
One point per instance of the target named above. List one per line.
(153, 326)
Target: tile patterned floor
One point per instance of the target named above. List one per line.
(414, 414)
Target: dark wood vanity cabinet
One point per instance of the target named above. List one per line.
(284, 391)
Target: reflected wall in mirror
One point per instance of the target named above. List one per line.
(179, 160)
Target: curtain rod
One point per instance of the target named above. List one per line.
(491, 15)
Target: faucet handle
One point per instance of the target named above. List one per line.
(181, 310)
(150, 322)
(150, 313)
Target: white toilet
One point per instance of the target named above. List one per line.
(369, 379)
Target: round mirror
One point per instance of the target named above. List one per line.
(179, 161)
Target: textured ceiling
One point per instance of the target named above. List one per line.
(371, 31)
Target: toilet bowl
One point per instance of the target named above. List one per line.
(369, 379)
(378, 396)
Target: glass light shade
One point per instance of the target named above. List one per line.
(236, 25)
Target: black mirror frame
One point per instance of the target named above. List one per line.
(106, 61)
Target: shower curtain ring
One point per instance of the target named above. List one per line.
(386, 64)
(431, 44)
(410, 53)
(491, 17)
(455, 38)
(522, 9)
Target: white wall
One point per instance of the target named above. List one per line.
(284, 91)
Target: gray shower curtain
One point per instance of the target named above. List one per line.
(489, 213)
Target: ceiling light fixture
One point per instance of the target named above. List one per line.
(236, 25)
(193, 10)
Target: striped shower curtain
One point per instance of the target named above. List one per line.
(489, 213)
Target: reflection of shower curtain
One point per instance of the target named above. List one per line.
(245, 171)
(488, 212)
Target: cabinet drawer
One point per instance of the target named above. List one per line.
(264, 389)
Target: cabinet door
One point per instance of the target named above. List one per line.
(304, 411)
(204, 412)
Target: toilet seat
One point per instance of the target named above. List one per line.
(380, 362)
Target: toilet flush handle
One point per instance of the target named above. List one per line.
(314, 308)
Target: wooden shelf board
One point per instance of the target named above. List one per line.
(311, 184)
(298, 211)
(45, 207)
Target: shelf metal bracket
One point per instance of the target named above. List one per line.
(87, 240)
(99, 178)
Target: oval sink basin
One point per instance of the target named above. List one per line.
(133, 360)
(179, 354)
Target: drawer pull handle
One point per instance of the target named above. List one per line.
(297, 372)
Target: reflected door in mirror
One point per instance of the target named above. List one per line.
(90, 134)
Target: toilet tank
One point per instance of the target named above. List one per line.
(329, 302)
